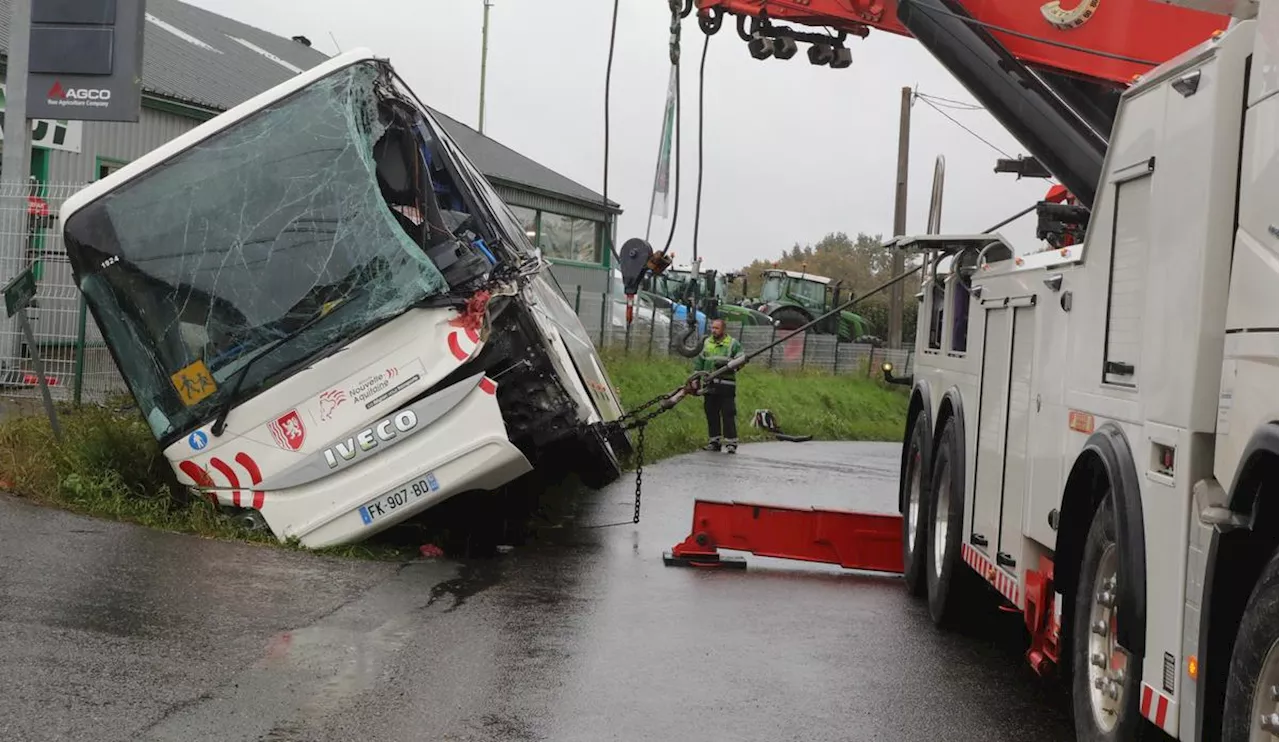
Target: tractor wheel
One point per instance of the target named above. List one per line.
(790, 318)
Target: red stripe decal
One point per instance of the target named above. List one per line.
(198, 475)
(455, 348)
(472, 335)
(232, 479)
(1146, 702)
(487, 386)
(1161, 709)
(255, 476)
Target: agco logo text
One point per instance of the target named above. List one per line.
(78, 96)
(368, 439)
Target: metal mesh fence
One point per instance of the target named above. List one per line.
(78, 365)
(658, 331)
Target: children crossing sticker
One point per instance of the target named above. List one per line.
(194, 383)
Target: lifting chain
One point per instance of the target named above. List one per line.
(639, 469)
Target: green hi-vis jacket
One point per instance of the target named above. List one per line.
(725, 348)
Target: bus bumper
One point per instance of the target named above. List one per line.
(466, 449)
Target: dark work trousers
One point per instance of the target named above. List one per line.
(721, 405)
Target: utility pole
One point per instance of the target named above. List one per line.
(484, 59)
(900, 218)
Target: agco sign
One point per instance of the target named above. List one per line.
(369, 438)
(58, 95)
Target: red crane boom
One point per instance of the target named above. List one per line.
(1110, 40)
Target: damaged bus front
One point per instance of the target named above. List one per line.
(329, 319)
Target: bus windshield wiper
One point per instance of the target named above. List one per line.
(220, 424)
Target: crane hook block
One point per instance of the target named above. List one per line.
(637, 259)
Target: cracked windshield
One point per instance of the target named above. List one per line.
(274, 227)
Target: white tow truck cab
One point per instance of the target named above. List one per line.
(1092, 429)
(329, 319)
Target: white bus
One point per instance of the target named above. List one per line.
(329, 319)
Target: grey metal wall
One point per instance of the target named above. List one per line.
(121, 142)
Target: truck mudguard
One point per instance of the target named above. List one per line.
(1109, 447)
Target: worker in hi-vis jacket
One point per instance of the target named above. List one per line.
(720, 394)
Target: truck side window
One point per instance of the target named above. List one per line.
(937, 307)
(959, 314)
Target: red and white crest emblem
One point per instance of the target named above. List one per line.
(288, 430)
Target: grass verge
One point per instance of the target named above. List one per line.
(108, 465)
(833, 408)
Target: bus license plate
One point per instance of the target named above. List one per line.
(396, 499)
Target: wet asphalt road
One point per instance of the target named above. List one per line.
(112, 632)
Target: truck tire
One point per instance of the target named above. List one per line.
(915, 503)
(1099, 715)
(790, 318)
(1252, 679)
(950, 584)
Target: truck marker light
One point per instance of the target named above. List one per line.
(1193, 667)
(1081, 422)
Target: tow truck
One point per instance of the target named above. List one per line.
(1092, 430)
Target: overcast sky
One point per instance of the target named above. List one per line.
(792, 151)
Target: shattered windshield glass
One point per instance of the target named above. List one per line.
(198, 265)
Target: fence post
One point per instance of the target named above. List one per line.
(871, 360)
(604, 309)
(577, 300)
(773, 338)
(78, 383)
(835, 358)
(804, 348)
(653, 324)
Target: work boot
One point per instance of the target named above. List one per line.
(731, 446)
(712, 446)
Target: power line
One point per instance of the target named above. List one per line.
(950, 103)
(972, 133)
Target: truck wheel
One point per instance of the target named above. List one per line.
(790, 318)
(915, 485)
(1105, 685)
(1249, 712)
(951, 585)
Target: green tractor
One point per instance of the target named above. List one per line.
(713, 295)
(793, 299)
